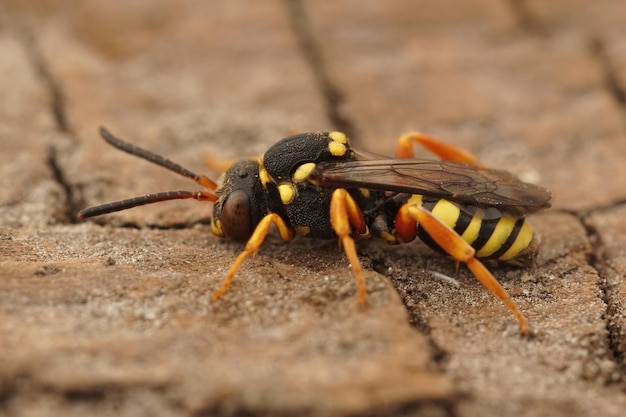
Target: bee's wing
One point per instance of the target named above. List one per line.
(458, 182)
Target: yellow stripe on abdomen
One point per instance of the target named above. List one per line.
(447, 212)
(501, 232)
(524, 237)
(473, 230)
(496, 237)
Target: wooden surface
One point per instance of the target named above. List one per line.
(113, 317)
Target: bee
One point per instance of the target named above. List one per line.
(315, 185)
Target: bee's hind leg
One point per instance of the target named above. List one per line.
(443, 150)
(411, 215)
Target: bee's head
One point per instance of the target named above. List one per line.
(242, 202)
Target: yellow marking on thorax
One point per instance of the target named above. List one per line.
(337, 148)
(501, 232)
(303, 171)
(338, 137)
(264, 176)
(287, 192)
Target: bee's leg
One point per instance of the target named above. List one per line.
(253, 244)
(346, 216)
(215, 164)
(443, 150)
(410, 215)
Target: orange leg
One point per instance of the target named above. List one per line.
(443, 150)
(345, 215)
(410, 215)
(215, 165)
(253, 244)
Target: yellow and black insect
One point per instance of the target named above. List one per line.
(315, 185)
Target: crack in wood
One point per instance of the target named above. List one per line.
(613, 308)
(331, 92)
(527, 20)
(71, 201)
(416, 320)
(610, 297)
(598, 50)
(50, 82)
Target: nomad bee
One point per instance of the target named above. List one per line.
(315, 185)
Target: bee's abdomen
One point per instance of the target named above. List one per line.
(492, 234)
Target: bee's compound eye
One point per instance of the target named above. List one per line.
(235, 216)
